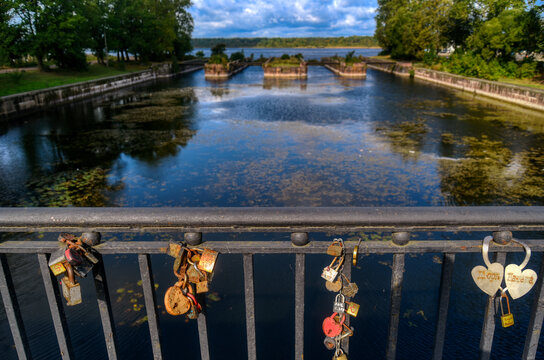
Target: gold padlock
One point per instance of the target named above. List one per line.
(207, 260)
(507, 320)
(353, 309)
(57, 269)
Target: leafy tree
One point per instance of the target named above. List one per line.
(218, 49)
(237, 56)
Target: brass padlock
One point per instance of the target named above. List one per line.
(207, 260)
(339, 355)
(353, 309)
(336, 248)
(56, 261)
(334, 286)
(71, 289)
(507, 320)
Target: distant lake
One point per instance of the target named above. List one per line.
(309, 53)
(324, 141)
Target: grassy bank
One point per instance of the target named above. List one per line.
(22, 81)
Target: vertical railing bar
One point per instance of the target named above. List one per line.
(300, 269)
(488, 329)
(537, 316)
(448, 262)
(56, 308)
(250, 307)
(104, 307)
(397, 277)
(347, 272)
(13, 312)
(203, 331)
(148, 286)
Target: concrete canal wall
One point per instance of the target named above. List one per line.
(19, 104)
(222, 72)
(520, 95)
(356, 71)
(292, 72)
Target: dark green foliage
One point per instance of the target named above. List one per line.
(218, 59)
(61, 30)
(218, 49)
(312, 42)
(238, 56)
(199, 54)
(285, 57)
(488, 36)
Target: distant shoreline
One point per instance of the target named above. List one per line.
(300, 47)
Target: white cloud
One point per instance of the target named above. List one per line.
(258, 18)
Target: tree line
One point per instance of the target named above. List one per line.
(484, 33)
(63, 30)
(296, 42)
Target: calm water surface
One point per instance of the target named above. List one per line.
(325, 141)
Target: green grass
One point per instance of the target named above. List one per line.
(523, 82)
(14, 83)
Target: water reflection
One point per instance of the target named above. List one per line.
(281, 83)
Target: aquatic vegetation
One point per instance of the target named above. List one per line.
(492, 174)
(406, 137)
(73, 188)
(447, 139)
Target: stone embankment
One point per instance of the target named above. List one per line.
(223, 72)
(24, 103)
(289, 72)
(520, 95)
(340, 68)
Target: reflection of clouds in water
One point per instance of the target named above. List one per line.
(214, 94)
(331, 100)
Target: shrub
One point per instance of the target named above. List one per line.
(239, 55)
(199, 54)
(285, 57)
(218, 59)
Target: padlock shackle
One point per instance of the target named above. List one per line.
(503, 295)
(70, 272)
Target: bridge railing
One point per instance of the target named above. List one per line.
(298, 221)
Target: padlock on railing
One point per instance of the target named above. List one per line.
(57, 260)
(333, 327)
(352, 309)
(71, 289)
(330, 272)
(336, 248)
(507, 320)
(339, 305)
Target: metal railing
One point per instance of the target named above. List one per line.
(297, 221)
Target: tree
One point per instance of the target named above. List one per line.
(218, 49)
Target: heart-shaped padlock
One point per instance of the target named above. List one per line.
(488, 279)
(331, 327)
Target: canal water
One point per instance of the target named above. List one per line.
(324, 141)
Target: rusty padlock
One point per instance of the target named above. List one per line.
(175, 300)
(71, 289)
(336, 248)
(331, 327)
(329, 343)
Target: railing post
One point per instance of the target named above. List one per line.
(103, 298)
(299, 239)
(448, 261)
(56, 307)
(488, 329)
(150, 304)
(537, 316)
(250, 307)
(13, 312)
(397, 277)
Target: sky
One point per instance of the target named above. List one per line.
(283, 18)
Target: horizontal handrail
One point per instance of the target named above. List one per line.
(274, 219)
(279, 247)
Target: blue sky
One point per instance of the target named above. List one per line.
(282, 18)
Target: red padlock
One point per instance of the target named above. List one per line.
(332, 327)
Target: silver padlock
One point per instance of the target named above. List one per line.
(339, 304)
(71, 289)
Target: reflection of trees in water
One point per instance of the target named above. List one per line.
(490, 173)
(219, 91)
(282, 83)
(406, 138)
(150, 128)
